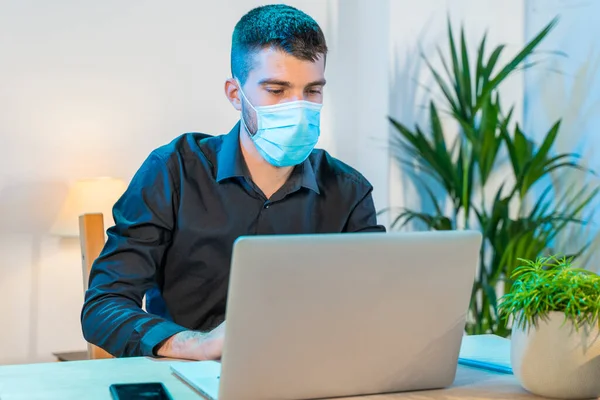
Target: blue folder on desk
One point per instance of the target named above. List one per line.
(488, 352)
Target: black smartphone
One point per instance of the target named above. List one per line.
(139, 391)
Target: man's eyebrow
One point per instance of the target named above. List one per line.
(274, 82)
(287, 84)
(320, 82)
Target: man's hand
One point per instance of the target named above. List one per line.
(194, 345)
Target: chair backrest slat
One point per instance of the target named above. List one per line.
(91, 236)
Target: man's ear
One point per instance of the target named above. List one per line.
(233, 93)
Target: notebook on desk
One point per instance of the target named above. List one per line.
(204, 376)
(488, 352)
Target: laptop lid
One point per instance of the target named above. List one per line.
(314, 316)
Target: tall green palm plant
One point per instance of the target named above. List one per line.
(519, 217)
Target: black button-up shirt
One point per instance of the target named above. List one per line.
(175, 227)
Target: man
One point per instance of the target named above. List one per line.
(176, 223)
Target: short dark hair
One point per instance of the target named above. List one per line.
(279, 26)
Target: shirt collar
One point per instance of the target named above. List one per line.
(309, 179)
(230, 161)
(231, 164)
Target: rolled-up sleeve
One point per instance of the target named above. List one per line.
(112, 317)
(363, 217)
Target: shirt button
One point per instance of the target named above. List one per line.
(267, 205)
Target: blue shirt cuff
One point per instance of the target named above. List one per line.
(157, 334)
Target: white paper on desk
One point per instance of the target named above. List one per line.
(487, 352)
(204, 376)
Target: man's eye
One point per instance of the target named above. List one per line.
(314, 91)
(275, 91)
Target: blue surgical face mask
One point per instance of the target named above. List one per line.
(287, 132)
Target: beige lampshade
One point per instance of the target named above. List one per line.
(97, 195)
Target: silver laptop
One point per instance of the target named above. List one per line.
(320, 316)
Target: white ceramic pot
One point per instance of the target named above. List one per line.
(554, 360)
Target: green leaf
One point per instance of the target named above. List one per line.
(491, 297)
(444, 63)
(524, 53)
(515, 62)
(454, 103)
(551, 284)
(542, 153)
(438, 134)
(489, 68)
(436, 222)
(489, 142)
(466, 75)
(479, 79)
(458, 84)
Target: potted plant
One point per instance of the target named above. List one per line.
(555, 344)
(488, 174)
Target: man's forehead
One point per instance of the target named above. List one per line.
(271, 64)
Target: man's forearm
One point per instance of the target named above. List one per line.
(194, 345)
(186, 344)
(106, 320)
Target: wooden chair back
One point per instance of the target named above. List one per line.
(91, 236)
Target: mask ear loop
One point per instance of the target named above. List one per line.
(250, 104)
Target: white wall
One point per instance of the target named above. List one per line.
(359, 89)
(566, 86)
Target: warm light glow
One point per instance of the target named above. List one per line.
(96, 195)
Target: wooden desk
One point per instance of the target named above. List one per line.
(90, 380)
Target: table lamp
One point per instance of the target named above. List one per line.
(96, 195)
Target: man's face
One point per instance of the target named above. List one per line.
(278, 77)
